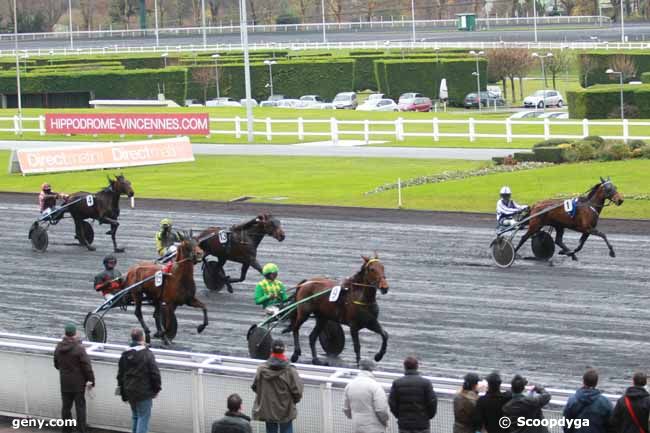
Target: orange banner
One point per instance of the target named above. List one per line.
(110, 155)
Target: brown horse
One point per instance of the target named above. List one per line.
(177, 288)
(103, 206)
(587, 213)
(243, 241)
(356, 307)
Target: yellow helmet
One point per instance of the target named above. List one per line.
(270, 268)
(165, 222)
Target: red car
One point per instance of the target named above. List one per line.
(421, 103)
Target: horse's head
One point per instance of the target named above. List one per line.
(610, 192)
(189, 248)
(373, 269)
(121, 185)
(271, 226)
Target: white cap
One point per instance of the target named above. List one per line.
(505, 190)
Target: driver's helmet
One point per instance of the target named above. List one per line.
(505, 192)
(110, 261)
(46, 187)
(165, 223)
(270, 268)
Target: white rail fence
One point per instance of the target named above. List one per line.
(400, 129)
(194, 389)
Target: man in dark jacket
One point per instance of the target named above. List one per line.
(234, 421)
(412, 400)
(528, 407)
(138, 378)
(632, 410)
(588, 403)
(75, 372)
(489, 407)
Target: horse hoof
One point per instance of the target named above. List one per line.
(147, 338)
(317, 361)
(118, 250)
(612, 253)
(91, 248)
(166, 341)
(200, 328)
(157, 334)
(229, 288)
(378, 357)
(562, 253)
(295, 357)
(109, 232)
(574, 257)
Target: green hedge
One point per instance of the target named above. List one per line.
(106, 84)
(603, 60)
(645, 78)
(598, 102)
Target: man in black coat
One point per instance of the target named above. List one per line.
(489, 407)
(412, 400)
(234, 421)
(588, 403)
(528, 406)
(632, 410)
(75, 372)
(138, 378)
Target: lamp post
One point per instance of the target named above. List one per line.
(541, 59)
(18, 94)
(270, 63)
(243, 29)
(70, 22)
(216, 71)
(155, 20)
(413, 21)
(620, 77)
(322, 8)
(477, 74)
(203, 29)
(622, 23)
(535, 18)
(164, 57)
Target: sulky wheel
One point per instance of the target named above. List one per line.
(503, 253)
(38, 236)
(214, 276)
(332, 338)
(173, 323)
(95, 328)
(88, 231)
(543, 245)
(259, 342)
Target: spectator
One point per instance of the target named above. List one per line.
(589, 403)
(365, 401)
(234, 421)
(278, 388)
(632, 410)
(465, 405)
(527, 406)
(138, 379)
(75, 374)
(412, 400)
(489, 408)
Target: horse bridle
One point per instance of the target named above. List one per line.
(372, 286)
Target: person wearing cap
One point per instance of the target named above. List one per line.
(47, 199)
(632, 409)
(110, 280)
(270, 293)
(412, 400)
(235, 421)
(75, 374)
(508, 209)
(278, 388)
(165, 237)
(588, 403)
(465, 405)
(489, 407)
(527, 405)
(365, 401)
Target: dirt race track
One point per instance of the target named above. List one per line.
(447, 303)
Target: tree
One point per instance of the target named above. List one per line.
(498, 67)
(518, 61)
(336, 6)
(204, 76)
(122, 10)
(624, 64)
(87, 9)
(557, 64)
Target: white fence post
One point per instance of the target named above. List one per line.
(327, 422)
(508, 130)
(41, 124)
(626, 130)
(237, 127)
(301, 129)
(585, 127)
(399, 129)
(334, 131)
(471, 125)
(269, 131)
(16, 125)
(547, 129)
(436, 129)
(366, 131)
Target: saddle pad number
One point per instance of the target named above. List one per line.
(568, 205)
(90, 200)
(335, 293)
(158, 279)
(223, 236)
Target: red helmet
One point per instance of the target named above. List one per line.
(46, 187)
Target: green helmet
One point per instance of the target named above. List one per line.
(165, 222)
(270, 268)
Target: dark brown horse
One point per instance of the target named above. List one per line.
(587, 213)
(103, 206)
(177, 288)
(356, 307)
(242, 244)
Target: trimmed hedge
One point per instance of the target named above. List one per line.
(603, 60)
(598, 102)
(645, 78)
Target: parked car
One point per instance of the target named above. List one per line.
(345, 100)
(252, 102)
(544, 97)
(287, 103)
(222, 102)
(487, 100)
(378, 105)
(193, 103)
(275, 97)
(375, 96)
(311, 101)
(526, 114)
(269, 104)
(494, 91)
(409, 95)
(554, 115)
(421, 103)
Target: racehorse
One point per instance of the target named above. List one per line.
(356, 307)
(103, 206)
(241, 246)
(587, 212)
(177, 288)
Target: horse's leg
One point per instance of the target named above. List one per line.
(80, 235)
(313, 336)
(581, 243)
(221, 263)
(299, 320)
(166, 323)
(137, 299)
(114, 227)
(600, 234)
(559, 241)
(157, 319)
(354, 333)
(198, 304)
(376, 327)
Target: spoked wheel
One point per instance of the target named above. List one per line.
(95, 328)
(39, 237)
(543, 245)
(214, 276)
(173, 323)
(503, 253)
(332, 338)
(259, 342)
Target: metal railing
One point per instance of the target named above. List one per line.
(194, 389)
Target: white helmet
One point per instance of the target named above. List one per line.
(505, 190)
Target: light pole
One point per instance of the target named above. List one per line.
(413, 21)
(70, 22)
(205, 39)
(477, 74)
(216, 71)
(620, 77)
(622, 23)
(535, 18)
(18, 94)
(322, 8)
(243, 29)
(270, 63)
(541, 59)
(155, 20)
(164, 56)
